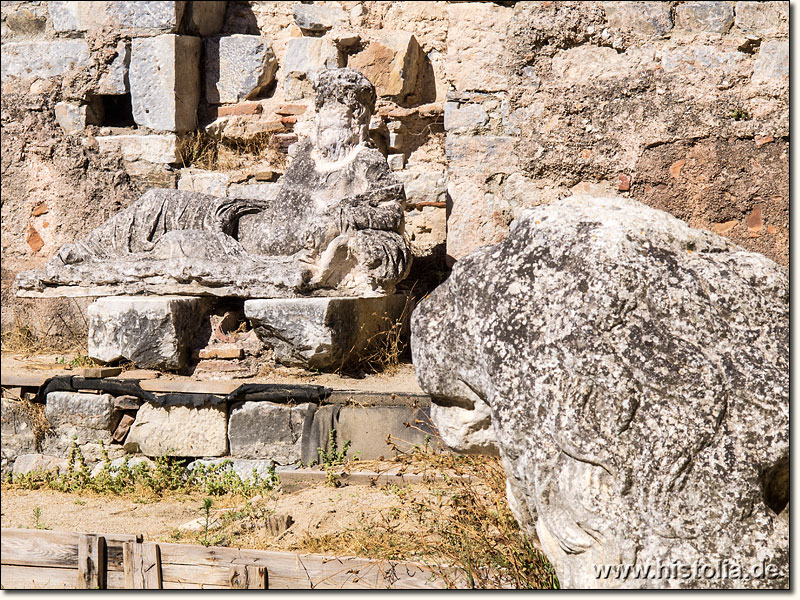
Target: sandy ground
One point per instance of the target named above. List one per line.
(402, 380)
(316, 510)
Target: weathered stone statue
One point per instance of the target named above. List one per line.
(334, 228)
(633, 374)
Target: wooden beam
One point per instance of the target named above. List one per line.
(18, 577)
(243, 577)
(91, 562)
(151, 566)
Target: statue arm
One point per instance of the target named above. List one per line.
(381, 208)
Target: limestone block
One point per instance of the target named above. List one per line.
(763, 18)
(27, 463)
(91, 411)
(647, 18)
(269, 430)
(180, 430)
(115, 464)
(476, 38)
(315, 18)
(714, 17)
(772, 63)
(393, 62)
(204, 182)
(396, 162)
(165, 81)
(423, 185)
(152, 332)
(368, 427)
(115, 79)
(84, 16)
(464, 117)
(71, 117)
(701, 59)
(305, 58)
(426, 230)
(16, 430)
(321, 333)
(238, 67)
(149, 148)
(42, 59)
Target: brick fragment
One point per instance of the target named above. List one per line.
(243, 108)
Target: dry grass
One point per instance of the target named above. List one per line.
(384, 350)
(211, 152)
(33, 413)
(41, 330)
(458, 524)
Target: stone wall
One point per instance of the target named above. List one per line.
(484, 108)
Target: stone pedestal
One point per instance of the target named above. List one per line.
(324, 333)
(152, 332)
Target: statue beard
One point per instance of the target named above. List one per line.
(335, 143)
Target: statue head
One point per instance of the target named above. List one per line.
(344, 104)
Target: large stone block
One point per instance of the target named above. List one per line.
(476, 38)
(17, 432)
(634, 376)
(26, 463)
(714, 17)
(71, 117)
(322, 333)
(148, 18)
(165, 81)
(460, 118)
(148, 148)
(393, 62)
(152, 332)
(647, 18)
(204, 182)
(269, 430)
(180, 430)
(305, 58)
(92, 411)
(772, 63)
(315, 18)
(42, 59)
(763, 18)
(367, 428)
(83, 16)
(114, 81)
(238, 67)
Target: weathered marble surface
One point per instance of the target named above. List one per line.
(334, 228)
(633, 373)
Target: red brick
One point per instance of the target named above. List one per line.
(291, 109)
(289, 120)
(244, 108)
(624, 183)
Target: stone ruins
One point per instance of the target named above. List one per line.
(576, 213)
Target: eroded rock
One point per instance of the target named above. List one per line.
(636, 374)
(180, 430)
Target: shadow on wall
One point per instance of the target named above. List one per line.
(240, 18)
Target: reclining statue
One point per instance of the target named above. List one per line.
(335, 227)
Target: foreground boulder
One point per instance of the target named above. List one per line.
(633, 373)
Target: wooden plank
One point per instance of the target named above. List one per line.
(287, 570)
(18, 577)
(36, 547)
(137, 570)
(127, 564)
(243, 577)
(91, 562)
(17, 379)
(151, 566)
(187, 386)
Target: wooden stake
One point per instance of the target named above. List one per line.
(91, 562)
(151, 566)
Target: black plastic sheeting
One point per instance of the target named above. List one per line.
(270, 392)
